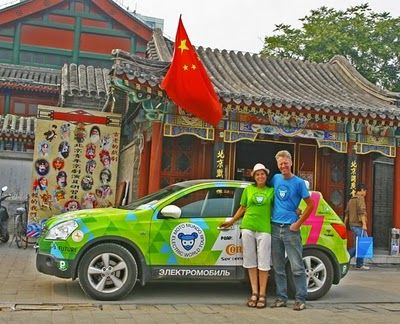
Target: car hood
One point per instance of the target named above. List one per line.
(89, 213)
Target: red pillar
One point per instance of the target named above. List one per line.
(396, 193)
(350, 182)
(155, 157)
(143, 186)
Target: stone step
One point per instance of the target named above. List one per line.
(381, 257)
(385, 258)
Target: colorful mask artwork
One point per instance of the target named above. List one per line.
(75, 161)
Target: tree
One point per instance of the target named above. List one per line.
(370, 41)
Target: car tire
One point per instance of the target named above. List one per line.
(107, 271)
(319, 274)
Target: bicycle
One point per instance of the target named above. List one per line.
(23, 235)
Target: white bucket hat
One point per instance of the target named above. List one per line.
(258, 167)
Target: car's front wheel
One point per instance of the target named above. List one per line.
(107, 271)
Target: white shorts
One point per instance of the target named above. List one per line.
(256, 250)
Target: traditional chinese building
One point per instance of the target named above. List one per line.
(52, 33)
(55, 53)
(29, 86)
(340, 128)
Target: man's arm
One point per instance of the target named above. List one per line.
(363, 213)
(346, 215)
(364, 222)
(306, 213)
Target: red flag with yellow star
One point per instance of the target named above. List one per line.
(187, 83)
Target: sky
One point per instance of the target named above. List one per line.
(239, 25)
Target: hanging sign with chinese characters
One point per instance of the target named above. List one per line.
(220, 164)
(75, 161)
(353, 174)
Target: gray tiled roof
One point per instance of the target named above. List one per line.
(17, 126)
(159, 48)
(135, 67)
(249, 79)
(29, 78)
(84, 86)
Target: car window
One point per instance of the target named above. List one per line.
(236, 199)
(149, 200)
(192, 203)
(211, 202)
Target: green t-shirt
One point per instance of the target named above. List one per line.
(258, 204)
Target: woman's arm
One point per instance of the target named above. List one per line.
(239, 213)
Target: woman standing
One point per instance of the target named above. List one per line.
(255, 205)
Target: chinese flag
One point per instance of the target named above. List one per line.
(187, 84)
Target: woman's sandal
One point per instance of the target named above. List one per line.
(252, 302)
(261, 302)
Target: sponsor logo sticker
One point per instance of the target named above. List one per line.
(77, 236)
(62, 265)
(233, 249)
(67, 249)
(226, 238)
(187, 240)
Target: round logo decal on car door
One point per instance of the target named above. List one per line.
(187, 240)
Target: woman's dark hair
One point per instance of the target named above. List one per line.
(253, 178)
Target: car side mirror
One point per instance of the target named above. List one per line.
(171, 211)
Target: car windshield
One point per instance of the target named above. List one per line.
(149, 200)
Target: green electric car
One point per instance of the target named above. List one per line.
(174, 234)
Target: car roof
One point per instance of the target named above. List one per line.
(190, 183)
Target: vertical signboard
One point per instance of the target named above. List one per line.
(75, 161)
(219, 160)
(353, 174)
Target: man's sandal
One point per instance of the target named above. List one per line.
(252, 302)
(261, 302)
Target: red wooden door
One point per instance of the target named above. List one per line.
(332, 175)
(185, 158)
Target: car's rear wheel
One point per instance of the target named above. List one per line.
(319, 274)
(107, 271)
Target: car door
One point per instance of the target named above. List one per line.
(193, 246)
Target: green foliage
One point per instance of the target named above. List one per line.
(370, 41)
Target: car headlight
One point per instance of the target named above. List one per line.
(62, 231)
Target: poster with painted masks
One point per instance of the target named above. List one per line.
(75, 161)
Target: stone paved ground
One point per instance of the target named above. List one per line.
(189, 313)
(27, 296)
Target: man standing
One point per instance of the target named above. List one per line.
(356, 218)
(289, 190)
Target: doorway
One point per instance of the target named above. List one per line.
(382, 202)
(184, 158)
(248, 154)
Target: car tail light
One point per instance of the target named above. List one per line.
(341, 230)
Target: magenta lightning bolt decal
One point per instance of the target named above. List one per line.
(314, 220)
